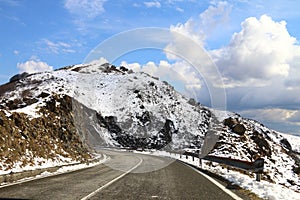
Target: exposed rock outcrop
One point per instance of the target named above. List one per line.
(53, 133)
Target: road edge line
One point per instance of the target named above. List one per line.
(112, 181)
(231, 194)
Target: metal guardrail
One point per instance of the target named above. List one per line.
(257, 166)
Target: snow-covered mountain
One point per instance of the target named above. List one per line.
(72, 110)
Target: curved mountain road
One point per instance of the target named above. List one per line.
(125, 176)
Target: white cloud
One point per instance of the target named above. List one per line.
(33, 66)
(58, 47)
(180, 9)
(214, 15)
(260, 65)
(151, 4)
(190, 29)
(180, 72)
(188, 43)
(198, 29)
(275, 115)
(283, 120)
(99, 61)
(294, 118)
(85, 8)
(16, 52)
(262, 50)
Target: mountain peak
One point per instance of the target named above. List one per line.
(96, 68)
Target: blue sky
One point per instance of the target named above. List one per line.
(254, 44)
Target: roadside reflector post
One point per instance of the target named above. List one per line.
(258, 177)
(200, 162)
(193, 158)
(259, 168)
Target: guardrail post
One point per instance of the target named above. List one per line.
(193, 158)
(180, 155)
(186, 156)
(200, 162)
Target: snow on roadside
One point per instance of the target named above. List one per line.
(68, 168)
(263, 189)
(64, 168)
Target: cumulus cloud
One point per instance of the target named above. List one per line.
(198, 29)
(193, 48)
(178, 72)
(99, 61)
(33, 66)
(214, 15)
(260, 65)
(262, 50)
(150, 4)
(190, 30)
(85, 8)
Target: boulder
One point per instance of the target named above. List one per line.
(286, 144)
(18, 77)
(239, 129)
(192, 102)
(124, 69)
(230, 122)
(43, 95)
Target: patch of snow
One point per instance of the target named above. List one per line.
(221, 115)
(31, 110)
(293, 140)
(102, 158)
(64, 168)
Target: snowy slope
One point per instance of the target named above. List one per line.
(133, 99)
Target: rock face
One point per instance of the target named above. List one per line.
(230, 122)
(262, 143)
(239, 129)
(52, 134)
(234, 125)
(286, 144)
(18, 77)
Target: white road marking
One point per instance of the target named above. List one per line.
(234, 196)
(112, 181)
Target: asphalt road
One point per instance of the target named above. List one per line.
(124, 176)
